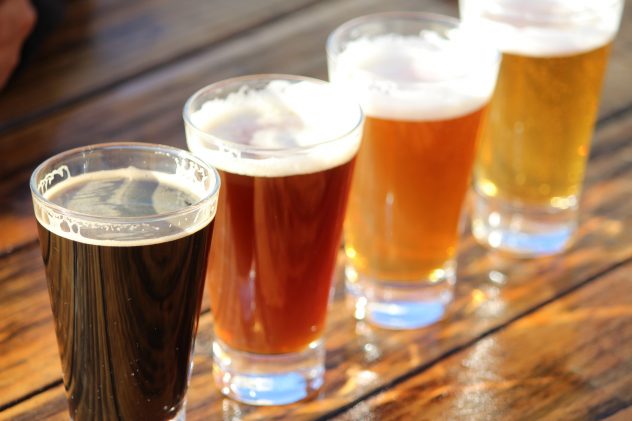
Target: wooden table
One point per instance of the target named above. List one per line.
(526, 339)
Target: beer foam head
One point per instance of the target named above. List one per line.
(419, 77)
(544, 28)
(124, 206)
(282, 128)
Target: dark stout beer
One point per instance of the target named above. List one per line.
(125, 305)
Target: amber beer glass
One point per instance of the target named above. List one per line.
(285, 147)
(424, 84)
(125, 230)
(534, 147)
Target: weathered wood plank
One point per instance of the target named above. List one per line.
(617, 91)
(361, 359)
(104, 42)
(149, 108)
(161, 96)
(49, 405)
(28, 350)
(622, 415)
(29, 359)
(572, 359)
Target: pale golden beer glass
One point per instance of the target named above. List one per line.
(533, 152)
(424, 85)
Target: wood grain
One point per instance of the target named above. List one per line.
(28, 349)
(362, 359)
(622, 415)
(570, 360)
(149, 109)
(29, 356)
(102, 43)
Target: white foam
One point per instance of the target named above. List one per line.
(544, 28)
(417, 78)
(246, 132)
(101, 224)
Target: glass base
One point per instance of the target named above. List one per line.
(182, 413)
(526, 231)
(400, 305)
(268, 379)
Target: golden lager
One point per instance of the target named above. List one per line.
(538, 134)
(424, 85)
(535, 144)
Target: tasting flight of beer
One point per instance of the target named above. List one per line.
(427, 121)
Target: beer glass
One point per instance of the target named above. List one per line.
(534, 147)
(285, 149)
(125, 230)
(424, 84)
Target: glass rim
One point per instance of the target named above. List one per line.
(586, 11)
(206, 200)
(333, 40)
(241, 80)
(403, 15)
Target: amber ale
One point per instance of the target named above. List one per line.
(402, 222)
(125, 296)
(281, 210)
(424, 108)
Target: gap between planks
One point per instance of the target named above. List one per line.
(469, 344)
(31, 118)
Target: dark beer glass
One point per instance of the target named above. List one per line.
(125, 230)
(285, 148)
